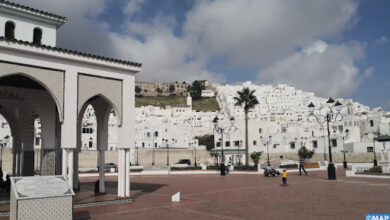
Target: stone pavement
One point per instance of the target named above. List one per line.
(247, 197)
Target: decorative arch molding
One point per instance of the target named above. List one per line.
(51, 80)
(110, 90)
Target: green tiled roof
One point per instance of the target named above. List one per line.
(124, 62)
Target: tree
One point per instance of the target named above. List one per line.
(304, 153)
(196, 89)
(159, 91)
(172, 89)
(206, 140)
(256, 157)
(138, 90)
(248, 100)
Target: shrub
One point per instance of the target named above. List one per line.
(289, 166)
(245, 167)
(186, 168)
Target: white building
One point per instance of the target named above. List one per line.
(39, 80)
(207, 93)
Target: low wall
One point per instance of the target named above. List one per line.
(88, 159)
(337, 157)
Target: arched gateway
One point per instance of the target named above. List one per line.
(39, 80)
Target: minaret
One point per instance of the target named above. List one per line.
(189, 100)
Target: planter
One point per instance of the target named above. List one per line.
(311, 165)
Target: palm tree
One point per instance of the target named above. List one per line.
(247, 100)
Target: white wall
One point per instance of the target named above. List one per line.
(24, 29)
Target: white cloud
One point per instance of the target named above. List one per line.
(257, 32)
(133, 7)
(247, 33)
(381, 40)
(327, 70)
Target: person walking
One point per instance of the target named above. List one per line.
(229, 164)
(284, 177)
(301, 166)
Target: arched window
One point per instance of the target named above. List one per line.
(37, 36)
(9, 30)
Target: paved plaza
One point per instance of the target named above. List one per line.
(246, 196)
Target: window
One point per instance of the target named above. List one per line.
(37, 36)
(148, 134)
(218, 144)
(372, 123)
(370, 149)
(156, 134)
(236, 143)
(37, 141)
(292, 145)
(254, 143)
(155, 145)
(143, 144)
(9, 30)
(334, 142)
(275, 145)
(260, 130)
(227, 143)
(90, 143)
(315, 144)
(281, 157)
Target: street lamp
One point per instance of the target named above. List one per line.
(136, 148)
(344, 151)
(167, 146)
(332, 114)
(154, 146)
(266, 142)
(373, 143)
(221, 128)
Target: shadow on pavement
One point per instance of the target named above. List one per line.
(144, 188)
(81, 215)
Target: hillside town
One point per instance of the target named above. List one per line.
(279, 125)
(177, 109)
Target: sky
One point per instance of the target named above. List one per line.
(337, 48)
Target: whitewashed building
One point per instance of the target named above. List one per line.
(40, 80)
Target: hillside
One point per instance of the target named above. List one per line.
(204, 104)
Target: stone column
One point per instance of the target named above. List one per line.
(101, 172)
(64, 162)
(70, 165)
(127, 173)
(120, 176)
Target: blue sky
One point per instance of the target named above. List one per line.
(336, 48)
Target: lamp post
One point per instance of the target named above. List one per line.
(373, 143)
(345, 165)
(266, 142)
(332, 114)
(221, 128)
(136, 148)
(167, 146)
(153, 146)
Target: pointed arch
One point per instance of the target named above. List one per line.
(105, 99)
(37, 81)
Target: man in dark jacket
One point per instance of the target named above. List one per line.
(301, 164)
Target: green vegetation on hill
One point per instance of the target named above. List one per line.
(160, 101)
(203, 104)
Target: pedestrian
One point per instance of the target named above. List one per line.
(284, 178)
(229, 165)
(301, 166)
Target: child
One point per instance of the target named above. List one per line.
(284, 177)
